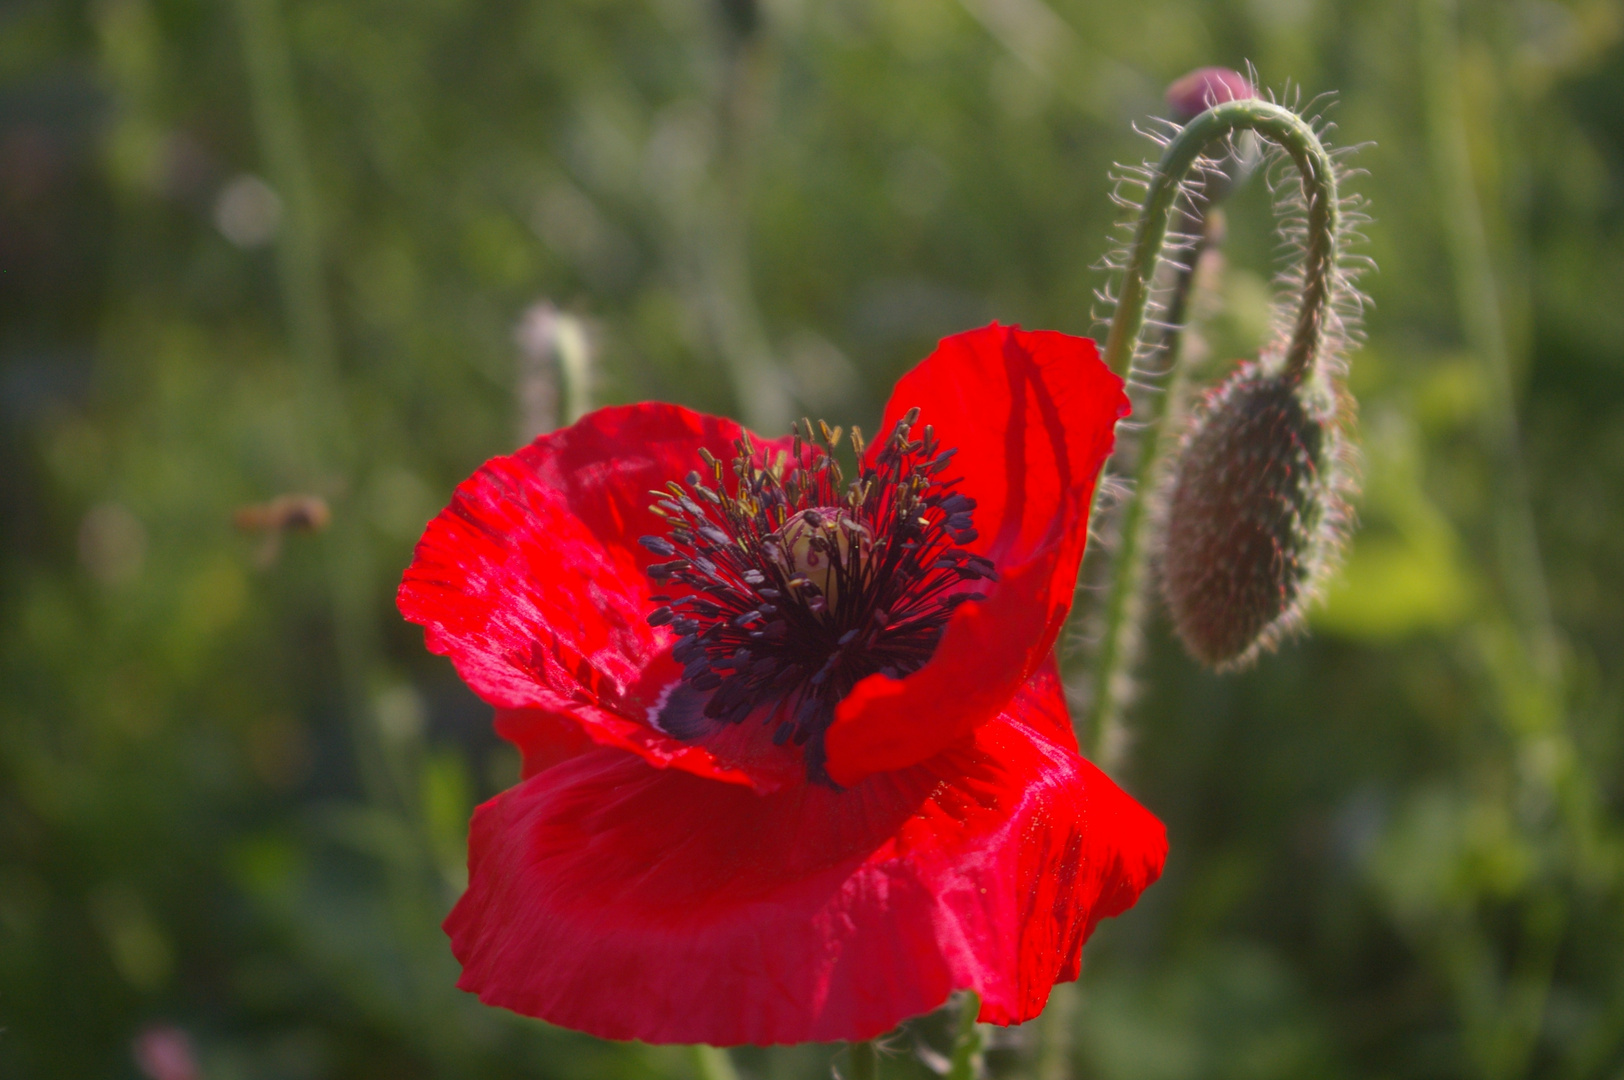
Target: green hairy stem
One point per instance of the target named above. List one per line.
(1318, 174)
(1294, 135)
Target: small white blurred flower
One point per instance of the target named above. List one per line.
(247, 212)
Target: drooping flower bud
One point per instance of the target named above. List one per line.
(1255, 512)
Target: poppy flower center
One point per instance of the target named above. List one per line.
(797, 584)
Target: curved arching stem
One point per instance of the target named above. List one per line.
(1294, 135)
(1111, 657)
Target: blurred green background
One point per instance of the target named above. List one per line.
(287, 246)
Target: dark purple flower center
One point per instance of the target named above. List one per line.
(800, 584)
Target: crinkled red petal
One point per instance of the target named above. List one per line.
(1033, 416)
(532, 582)
(632, 902)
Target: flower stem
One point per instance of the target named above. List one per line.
(1317, 171)
(1483, 325)
(1124, 599)
(713, 1063)
(724, 243)
(1055, 1046)
(864, 1061)
(966, 1061)
(1502, 1028)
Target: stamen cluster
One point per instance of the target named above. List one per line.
(802, 584)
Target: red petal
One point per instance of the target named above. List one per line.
(543, 738)
(630, 902)
(1033, 416)
(532, 582)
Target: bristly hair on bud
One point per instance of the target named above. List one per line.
(1242, 553)
(1334, 280)
(1256, 507)
(1256, 512)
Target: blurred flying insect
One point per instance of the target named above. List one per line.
(281, 515)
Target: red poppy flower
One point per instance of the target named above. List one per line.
(796, 759)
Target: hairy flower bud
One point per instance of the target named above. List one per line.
(1255, 511)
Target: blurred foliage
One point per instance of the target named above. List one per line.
(282, 246)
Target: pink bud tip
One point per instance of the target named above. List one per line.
(164, 1052)
(1205, 87)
